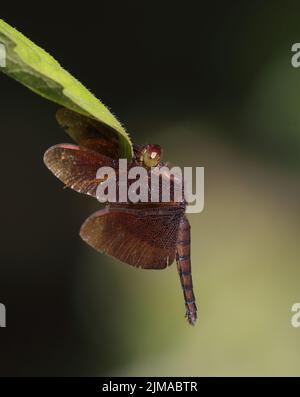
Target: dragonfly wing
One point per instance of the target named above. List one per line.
(89, 133)
(143, 238)
(76, 166)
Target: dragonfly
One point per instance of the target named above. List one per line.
(144, 235)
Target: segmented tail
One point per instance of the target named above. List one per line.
(183, 258)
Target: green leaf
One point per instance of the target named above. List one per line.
(41, 73)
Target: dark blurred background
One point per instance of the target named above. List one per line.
(212, 82)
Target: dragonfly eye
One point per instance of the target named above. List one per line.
(151, 155)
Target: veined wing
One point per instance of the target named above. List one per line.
(89, 133)
(76, 166)
(143, 238)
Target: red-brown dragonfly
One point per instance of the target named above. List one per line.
(146, 235)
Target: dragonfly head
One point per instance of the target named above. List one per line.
(150, 155)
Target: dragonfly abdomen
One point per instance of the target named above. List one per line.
(183, 258)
